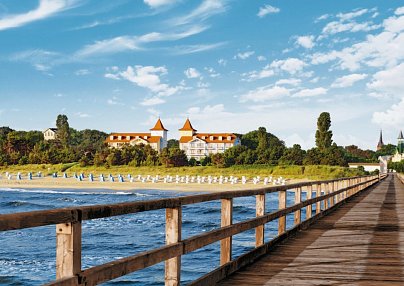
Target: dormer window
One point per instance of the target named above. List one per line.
(220, 138)
(119, 137)
(111, 137)
(229, 138)
(127, 137)
(211, 137)
(145, 137)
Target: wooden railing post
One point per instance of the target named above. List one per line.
(309, 194)
(173, 235)
(68, 249)
(331, 190)
(260, 211)
(326, 192)
(298, 199)
(318, 193)
(282, 205)
(227, 219)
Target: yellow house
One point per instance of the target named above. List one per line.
(156, 138)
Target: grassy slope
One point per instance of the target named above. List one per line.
(290, 172)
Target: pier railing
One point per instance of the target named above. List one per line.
(323, 195)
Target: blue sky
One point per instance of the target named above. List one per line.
(229, 65)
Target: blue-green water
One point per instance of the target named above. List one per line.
(27, 257)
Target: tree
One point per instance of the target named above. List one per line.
(63, 132)
(262, 139)
(173, 157)
(323, 133)
(173, 143)
(293, 156)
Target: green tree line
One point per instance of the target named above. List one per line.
(88, 147)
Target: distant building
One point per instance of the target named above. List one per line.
(384, 161)
(199, 145)
(380, 144)
(157, 138)
(399, 156)
(50, 134)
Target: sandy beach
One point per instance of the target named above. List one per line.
(72, 183)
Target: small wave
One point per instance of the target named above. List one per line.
(23, 204)
(78, 192)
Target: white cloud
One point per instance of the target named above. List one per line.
(336, 27)
(114, 101)
(351, 15)
(222, 62)
(389, 81)
(322, 17)
(399, 11)
(147, 77)
(391, 117)
(82, 115)
(311, 92)
(265, 93)
(267, 9)
(192, 49)
(254, 75)
(205, 10)
(291, 65)
(289, 81)
(158, 3)
(261, 58)
(152, 101)
(380, 50)
(82, 72)
(130, 43)
(244, 56)
(192, 73)
(45, 9)
(41, 60)
(348, 80)
(212, 72)
(305, 41)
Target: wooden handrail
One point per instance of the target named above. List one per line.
(68, 227)
(73, 214)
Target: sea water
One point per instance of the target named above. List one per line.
(27, 256)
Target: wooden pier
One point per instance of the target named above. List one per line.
(350, 233)
(361, 243)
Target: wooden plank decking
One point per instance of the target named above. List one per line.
(361, 243)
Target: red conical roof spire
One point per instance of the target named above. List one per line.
(158, 126)
(187, 126)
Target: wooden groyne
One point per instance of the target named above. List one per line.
(322, 196)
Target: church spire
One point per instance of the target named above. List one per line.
(380, 144)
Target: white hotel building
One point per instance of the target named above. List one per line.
(199, 145)
(156, 138)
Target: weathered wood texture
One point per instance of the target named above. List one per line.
(361, 243)
(69, 231)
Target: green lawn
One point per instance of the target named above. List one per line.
(290, 172)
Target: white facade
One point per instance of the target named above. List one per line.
(50, 134)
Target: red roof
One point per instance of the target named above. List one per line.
(132, 136)
(187, 126)
(211, 137)
(159, 126)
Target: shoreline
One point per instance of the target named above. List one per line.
(71, 183)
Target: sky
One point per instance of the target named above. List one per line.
(228, 65)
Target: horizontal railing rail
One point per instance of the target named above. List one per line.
(68, 223)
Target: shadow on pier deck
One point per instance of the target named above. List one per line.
(361, 243)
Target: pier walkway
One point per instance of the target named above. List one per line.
(361, 243)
